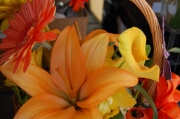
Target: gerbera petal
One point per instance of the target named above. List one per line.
(95, 51)
(39, 37)
(67, 57)
(102, 83)
(27, 60)
(34, 81)
(6, 45)
(50, 36)
(44, 106)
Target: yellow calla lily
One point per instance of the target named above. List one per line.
(132, 48)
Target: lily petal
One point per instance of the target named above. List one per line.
(95, 51)
(94, 33)
(34, 81)
(67, 56)
(46, 106)
(172, 110)
(82, 114)
(112, 37)
(102, 83)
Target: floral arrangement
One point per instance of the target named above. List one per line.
(55, 74)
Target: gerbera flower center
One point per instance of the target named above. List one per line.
(30, 33)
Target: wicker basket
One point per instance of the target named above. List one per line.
(157, 42)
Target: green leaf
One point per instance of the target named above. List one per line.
(174, 50)
(144, 93)
(118, 116)
(17, 93)
(111, 43)
(148, 49)
(149, 62)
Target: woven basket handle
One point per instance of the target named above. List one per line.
(157, 40)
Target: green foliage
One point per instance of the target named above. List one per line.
(145, 94)
(148, 49)
(21, 95)
(174, 50)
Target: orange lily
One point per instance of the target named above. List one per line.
(110, 107)
(76, 84)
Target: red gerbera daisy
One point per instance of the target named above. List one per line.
(25, 30)
(77, 3)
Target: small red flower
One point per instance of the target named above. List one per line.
(25, 30)
(77, 3)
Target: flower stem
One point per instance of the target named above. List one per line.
(144, 93)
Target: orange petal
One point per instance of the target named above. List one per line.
(175, 96)
(50, 36)
(172, 110)
(102, 83)
(46, 106)
(94, 33)
(67, 56)
(92, 113)
(95, 51)
(113, 38)
(82, 114)
(34, 81)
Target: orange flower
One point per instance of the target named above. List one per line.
(167, 98)
(73, 89)
(77, 3)
(25, 30)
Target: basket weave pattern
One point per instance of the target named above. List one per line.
(157, 41)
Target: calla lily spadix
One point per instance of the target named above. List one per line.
(73, 89)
